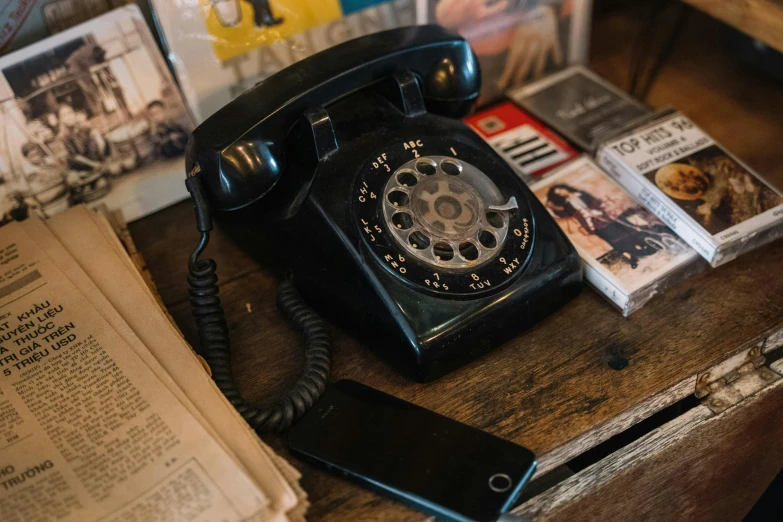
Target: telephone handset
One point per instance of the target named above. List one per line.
(242, 148)
(393, 216)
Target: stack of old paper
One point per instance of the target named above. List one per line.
(105, 411)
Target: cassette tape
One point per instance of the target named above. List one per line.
(525, 143)
(628, 254)
(712, 200)
(580, 105)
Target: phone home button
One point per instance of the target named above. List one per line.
(499, 482)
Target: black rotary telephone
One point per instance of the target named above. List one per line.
(394, 217)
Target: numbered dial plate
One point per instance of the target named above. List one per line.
(446, 212)
(435, 219)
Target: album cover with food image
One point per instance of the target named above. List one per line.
(714, 189)
(628, 253)
(706, 195)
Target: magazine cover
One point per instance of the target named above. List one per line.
(91, 115)
(516, 41)
(628, 253)
(580, 105)
(527, 145)
(24, 22)
(221, 48)
(710, 198)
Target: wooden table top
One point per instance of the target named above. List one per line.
(762, 19)
(583, 374)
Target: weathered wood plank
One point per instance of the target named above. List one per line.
(761, 19)
(551, 389)
(617, 424)
(698, 467)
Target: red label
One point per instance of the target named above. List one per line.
(525, 143)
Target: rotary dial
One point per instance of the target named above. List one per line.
(433, 215)
(446, 212)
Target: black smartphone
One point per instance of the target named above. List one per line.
(425, 460)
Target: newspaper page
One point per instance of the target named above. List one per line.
(87, 431)
(112, 226)
(85, 241)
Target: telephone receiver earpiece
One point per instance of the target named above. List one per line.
(240, 150)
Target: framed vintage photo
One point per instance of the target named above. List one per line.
(24, 22)
(91, 115)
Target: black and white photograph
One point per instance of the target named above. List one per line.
(91, 115)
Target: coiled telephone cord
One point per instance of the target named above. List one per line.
(203, 289)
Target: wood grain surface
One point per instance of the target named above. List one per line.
(704, 481)
(761, 19)
(555, 385)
